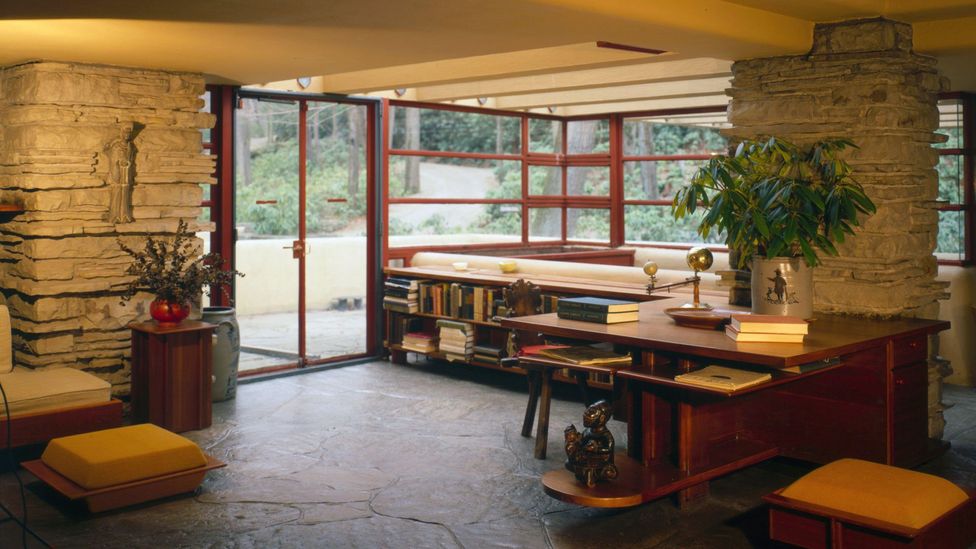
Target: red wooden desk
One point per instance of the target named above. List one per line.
(171, 374)
(872, 405)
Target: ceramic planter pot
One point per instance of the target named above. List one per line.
(782, 286)
(226, 351)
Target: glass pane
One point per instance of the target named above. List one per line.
(440, 130)
(950, 123)
(657, 179)
(950, 169)
(645, 224)
(545, 224)
(266, 207)
(647, 137)
(335, 222)
(454, 223)
(588, 136)
(588, 181)
(951, 235)
(206, 191)
(588, 224)
(545, 136)
(545, 180)
(206, 108)
(428, 177)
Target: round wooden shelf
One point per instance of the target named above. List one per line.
(627, 490)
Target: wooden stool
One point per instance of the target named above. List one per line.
(853, 503)
(122, 466)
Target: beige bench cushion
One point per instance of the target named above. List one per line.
(38, 390)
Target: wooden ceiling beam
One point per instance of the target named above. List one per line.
(633, 92)
(480, 67)
(657, 69)
(639, 106)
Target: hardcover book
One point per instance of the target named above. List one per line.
(596, 304)
(770, 324)
(602, 318)
(756, 337)
(720, 377)
(586, 356)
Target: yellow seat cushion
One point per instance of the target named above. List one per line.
(117, 456)
(891, 494)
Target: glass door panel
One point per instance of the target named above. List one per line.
(267, 221)
(336, 225)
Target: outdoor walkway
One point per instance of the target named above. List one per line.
(329, 333)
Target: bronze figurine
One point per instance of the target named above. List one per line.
(589, 455)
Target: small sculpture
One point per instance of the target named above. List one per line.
(589, 455)
(121, 155)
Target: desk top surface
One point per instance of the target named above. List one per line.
(829, 336)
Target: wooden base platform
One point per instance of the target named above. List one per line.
(40, 427)
(121, 495)
(636, 484)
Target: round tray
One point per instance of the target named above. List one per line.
(705, 319)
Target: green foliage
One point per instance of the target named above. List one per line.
(170, 272)
(772, 198)
(274, 176)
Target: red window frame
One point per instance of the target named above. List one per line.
(967, 152)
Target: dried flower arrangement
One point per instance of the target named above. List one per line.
(172, 272)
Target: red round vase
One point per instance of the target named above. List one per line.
(167, 313)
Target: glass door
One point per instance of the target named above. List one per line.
(267, 189)
(336, 224)
(304, 237)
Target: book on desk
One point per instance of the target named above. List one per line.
(721, 377)
(597, 309)
(586, 356)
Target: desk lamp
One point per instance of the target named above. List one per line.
(699, 259)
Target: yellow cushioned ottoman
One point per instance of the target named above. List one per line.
(851, 502)
(117, 467)
(117, 456)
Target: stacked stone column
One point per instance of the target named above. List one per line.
(861, 80)
(61, 269)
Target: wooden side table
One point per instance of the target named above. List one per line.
(171, 374)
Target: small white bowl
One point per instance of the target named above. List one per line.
(460, 266)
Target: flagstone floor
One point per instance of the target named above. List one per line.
(428, 455)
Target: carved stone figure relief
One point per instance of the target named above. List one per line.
(120, 154)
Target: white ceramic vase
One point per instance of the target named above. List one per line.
(782, 286)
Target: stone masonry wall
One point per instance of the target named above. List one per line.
(861, 80)
(61, 269)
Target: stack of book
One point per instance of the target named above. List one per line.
(400, 295)
(456, 339)
(488, 354)
(597, 309)
(767, 329)
(420, 342)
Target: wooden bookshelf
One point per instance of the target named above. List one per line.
(490, 331)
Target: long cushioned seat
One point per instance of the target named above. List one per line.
(39, 390)
(125, 454)
(881, 492)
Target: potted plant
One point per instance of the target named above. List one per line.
(174, 274)
(779, 205)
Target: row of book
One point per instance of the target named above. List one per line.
(450, 299)
(767, 328)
